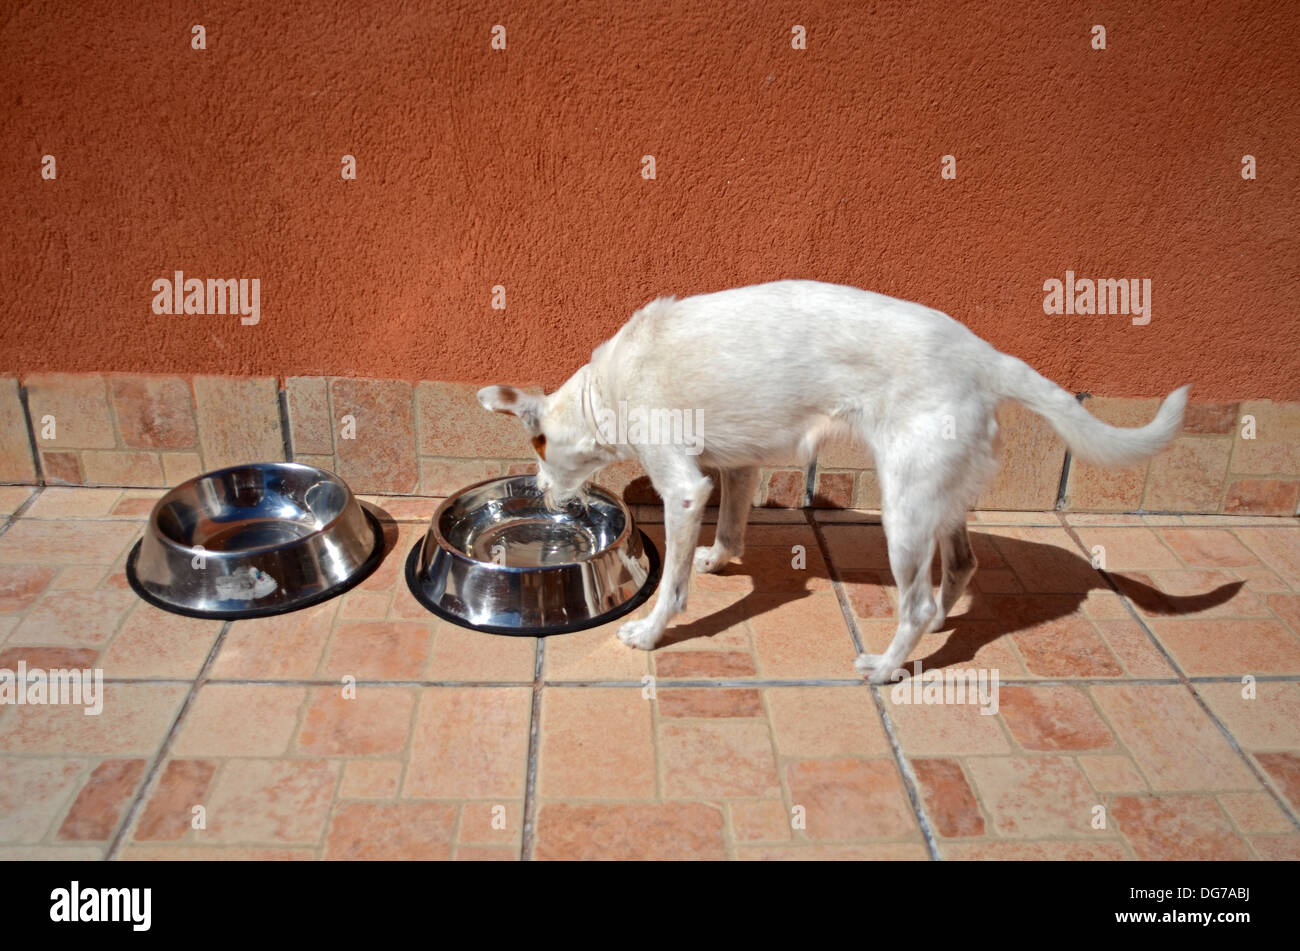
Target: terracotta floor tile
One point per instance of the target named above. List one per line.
(1278, 548)
(712, 620)
(805, 638)
(74, 617)
(594, 654)
(945, 729)
(69, 502)
(871, 594)
(1046, 560)
(82, 578)
(38, 853)
(461, 654)
(371, 779)
(378, 650)
(717, 759)
(1208, 547)
(48, 658)
(1268, 720)
(759, 820)
(650, 831)
(282, 801)
(100, 805)
(1286, 607)
(1059, 850)
(828, 852)
(240, 720)
(1277, 848)
(1053, 719)
(34, 791)
(490, 822)
(1112, 774)
(1191, 592)
(850, 798)
(1179, 828)
(770, 570)
(12, 497)
(857, 547)
(287, 647)
(169, 813)
(704, 665)
(199, 853)
(134, 721)
(409, 831)
(596, 743)
(1222, 646)
(1031, 797)
(373, 721)
(486, 853)
(1067, 647)
(70, 542)
(1131, 644)
(815, 722)
(964, 644)
(1177, 746)
(470, 743)
(727, 702)
(1284, 770)
(949, 801)
(1124, 549)
(155, 643)
(360, 605)
(1255, 812)
(20, 585)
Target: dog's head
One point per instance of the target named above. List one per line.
(567, 451)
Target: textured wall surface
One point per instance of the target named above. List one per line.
(523, 168)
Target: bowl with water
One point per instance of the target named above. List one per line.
(498, 558)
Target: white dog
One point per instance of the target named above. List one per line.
(768, 370)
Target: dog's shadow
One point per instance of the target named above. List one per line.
(1064, 583)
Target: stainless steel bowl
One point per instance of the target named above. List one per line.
(497, 559)
(254, 540)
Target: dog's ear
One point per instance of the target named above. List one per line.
(508, 399)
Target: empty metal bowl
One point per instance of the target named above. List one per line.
(497, 559)
(254, 540)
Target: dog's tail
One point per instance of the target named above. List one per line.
(1089, 438)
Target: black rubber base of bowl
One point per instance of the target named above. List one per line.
(638, 599)
(365, 571)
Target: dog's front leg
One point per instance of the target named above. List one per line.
(684, 502)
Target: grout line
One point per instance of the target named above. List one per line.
(1187, 683)
(128, 820)
(18, 513)
(910, 781)
(534, 748)
(905, 770)
(286, 436)
(31, 436)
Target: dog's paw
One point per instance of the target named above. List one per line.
(866, 663)
(878, 669)
(710, 559)
(641, 634)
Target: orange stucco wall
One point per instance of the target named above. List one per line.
(523, 168)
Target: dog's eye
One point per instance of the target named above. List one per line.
(539, 444)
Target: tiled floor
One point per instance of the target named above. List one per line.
(1151, 711)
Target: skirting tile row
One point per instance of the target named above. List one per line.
(431, 438)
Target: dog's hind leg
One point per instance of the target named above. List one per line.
(738, 487)
(958, 566)
(685, 491)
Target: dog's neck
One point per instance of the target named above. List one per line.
(592, 401)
